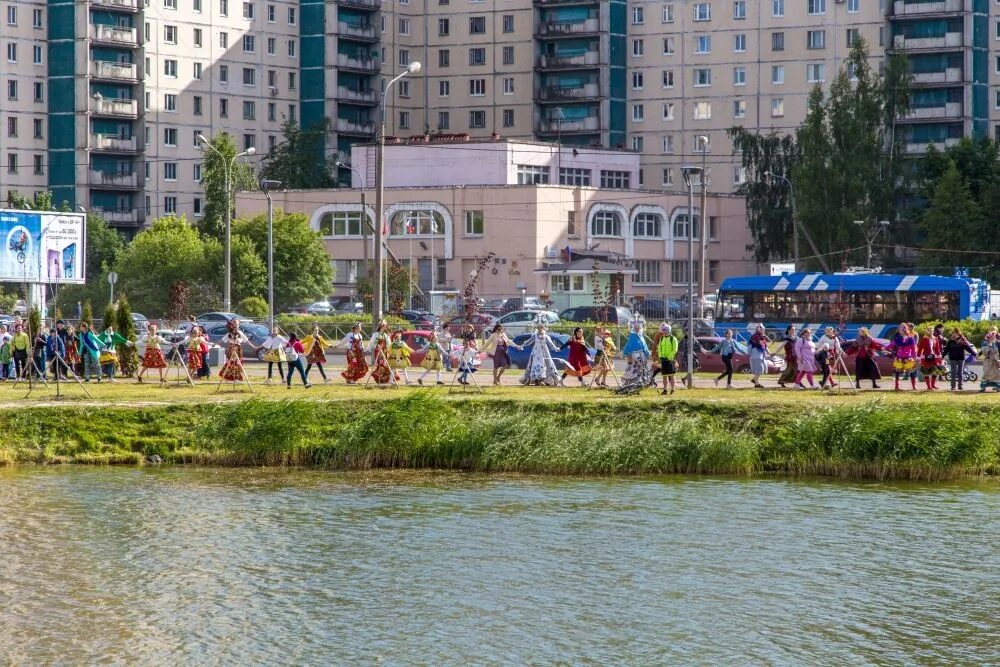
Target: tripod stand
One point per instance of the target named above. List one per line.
(841, 365)
(618, 383)
(176, 361)
(465, 385)
(59, 362)
(30, 369)
(379, 354)
(238, 360)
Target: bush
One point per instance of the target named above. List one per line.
(253, 306)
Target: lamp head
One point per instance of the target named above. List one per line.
(251, 150)
(413, 67)
(689, 171)
(340, 164)
(859, 222)
(202, 139)
(267, 185)
(883, 223)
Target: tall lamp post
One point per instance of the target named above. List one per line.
(364, 214)
(266, 186)
(378, 307)
(689, 173)
(871, 235)
(796, 226)
(227, 169)
(703, 232)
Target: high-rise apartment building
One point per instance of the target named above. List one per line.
(105, 99)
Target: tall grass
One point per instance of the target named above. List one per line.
(421, 430)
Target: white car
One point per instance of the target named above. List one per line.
(523, 321)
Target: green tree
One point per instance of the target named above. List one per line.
(34, 322)
(110, 317)
(953, 221)
(213, 180)
(87, 314)
(128, 358)
(253, 306)
(298, 159)
(302, 270)
(398, 283)
(249, 275)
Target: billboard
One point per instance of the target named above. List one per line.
(42, 247)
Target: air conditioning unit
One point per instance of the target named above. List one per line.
(274, 91)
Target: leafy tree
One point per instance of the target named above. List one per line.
(253, 306)
(128, 358)
(302, 270)
(249, 272)
(7, 300)
(88, 313)
(34, 322)
(213, 180)
(397, 280)
(104, 244)
(954, 221)
(298, 159)
(110, 317)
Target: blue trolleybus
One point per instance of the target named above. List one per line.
(848, 301)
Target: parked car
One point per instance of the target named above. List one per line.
(710, 306)
(319, 308)
(883, 360)
(140, 321)
(421, 319)
(256, 333)
(480, 321)
(523, 321)
(210, 318)
(701, 327)
(659, 309)
(608, 314)
(712, 363)
(519, 358)
(20, 308)
(7, 320)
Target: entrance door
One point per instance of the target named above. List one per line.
(424, 273)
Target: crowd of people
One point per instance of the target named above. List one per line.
(384, 358)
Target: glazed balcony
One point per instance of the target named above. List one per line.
(569, 28)
(558, 126)
(347, 126)
(563, 93)
(371, 65)
(119, 216)
(581, 60)
(916, 148)
(903, 8)
(949, 110)
(366, 97)
(363, 31)
(361, 4)
(949, 40)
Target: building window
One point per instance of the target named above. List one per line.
(637, 48)
(777, 41)
(637, 146)
(170, 102)
(170, 171)
(648, 272)
(739, 10)
(853, 6)
(679, 272)
(713, 270)
(668, 111)
(703, 11)
(564, 283)
(404, 27)
(248, 11)
(340, 223)
(739, 178)
(637, 80)
(606, 223)
(777, 8)
(739, 108)
(404, 120)
(418, 222)
(170, 34)
(508, 118)
(170, 205)
(197, 207)
(681, 226)
(508, 55)
(739, 76)
(668, 78)
(249, 76)
(703, 44)
(477, 87)
(777, 108)
(477, 119)
(530, 174)
(249, 44)
(703, 77)
(667, 178)
(668, 144)
(853, 34)
(777, 74)
(638, 16)
(648, 225)
(508, 85)
(477, 25)
(574, 176)
(473, 223)
(444, 120)
(444, 58)
(170, 136)
(249, 110)
(740, 42)
(816, 7)
(638, 113)
(477, 56)
(620, 180)
(815, 73)
(223, 73)
(816, 39)
(702, 110)
(444, 88)
(508, 23)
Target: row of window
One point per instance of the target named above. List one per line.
(530, 174)
(37, 88)
(38, 126)
(13, 166)
(477, 56)
(249, 74)
(170, 135)
(477, 25)
(36, 53)
(249, 10)
(702, 11)
(477, 119)
(37, 17)
(815, 40)
(648, 272)
(170, 36)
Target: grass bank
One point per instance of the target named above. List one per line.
(869, 439)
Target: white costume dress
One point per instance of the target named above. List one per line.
(540, 369)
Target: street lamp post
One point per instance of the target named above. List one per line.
(704, 226)
(364, 215)
(378, 306)
(689, 173)
(266, 186)
(227, 170)
(796, 225)
(870, 236)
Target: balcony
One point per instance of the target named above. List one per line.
(555, 3)
(372, 65)
(557, 126)
(949, 110)
(950, 75)
(914, 148)
(587, 59)
(112, 143)
(101, 69)
(563, 93)
(119, 216)
(366, 97)
(362, 4)
(902, 8)
(114, 179)
(114, 35)
(569, 28)
(362, 31)
(112, 107)
(123, 5)
(949, 40)
(346, 126)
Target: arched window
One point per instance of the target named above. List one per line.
(606, 223)
(681, 226)
(340, 223)
(416, 222)
(647, 225)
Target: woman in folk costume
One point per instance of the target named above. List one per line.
(496, 346)
(315, 345)
(637, 355)
(791, 363)
(90, 348)
(758, 356)
(399, 355)
(540, 369)
(469, 360)
(654, 359)
(604, 356)
(831, 342)
(378, 347)
(930, 352)
(990, 353)
(434, 354)
(152, 356)
(73, 359)
(197, 345)
(108, 358)
(274, 353)
(903, 347)
(579, 357)
(233, 341)
(357, 367)
(865, 349)
(805, 355)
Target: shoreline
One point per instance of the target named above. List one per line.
(856, 439)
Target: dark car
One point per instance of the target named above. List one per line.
(211, 318)
(712, 363)
(607, 314)
(659, 309)
(420, 319)
(480, 321)
(701, 327)
(256, 333)
(519, 358)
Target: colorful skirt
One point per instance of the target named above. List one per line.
(72, 355)
(356, 365)
(432, 361)
(904, 366)
(316, 355)
(274, 356)
(933, 367)
(381, 372)
(153, 358)
(195, 360)
(232, 370)
(790, 372)
(398, 360)
(865, 368)
(501, 358)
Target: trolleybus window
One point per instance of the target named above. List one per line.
(832, 306)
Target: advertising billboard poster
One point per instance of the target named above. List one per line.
(42, 247)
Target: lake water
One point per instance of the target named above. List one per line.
(223, 566)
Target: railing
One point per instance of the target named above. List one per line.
(115, 107)
(117, 4)
(590, 123)
(367, 4)
(902, 8)
(949, 39)
(921, 147)
(114, 179)
(112, 70)
(112, 142)
(114, 34)
(354, 126)
(356, 95)
(367, 64)
(550, 28)
(950, 75)
(578, 60)
(356, 29)
(119, 216)
(566, 92)
(948, 110)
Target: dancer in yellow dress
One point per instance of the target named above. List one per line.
(399, 355)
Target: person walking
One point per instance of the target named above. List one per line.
(315, 345)
(108, 358)
(274, 354)
(637, 354)
(726, 349)
(152, 356)
(864, 349)
(294, 352)
(791, 366)
(55, 352)
(930, 351)
(578, 359)
(433, 359)
(990, 353)
(468, 360)
(758, 354)
(805, 355)
(903, 347)
(197, 344)
(666, 349)
(956, 349)
(540, 368)
(689, 348)
(399, 355)
(39, 354)
(654, 360)
(357, 367)
(834, 349)
(233, 342)
(378, 347)
(496, 346)
(604, 356)
(72, 343)
(20, 347)
(90, 350)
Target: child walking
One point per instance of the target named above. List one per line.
(805, 355)
(726, 349)
(604, 355)
(467, 364)
(433, 355)
(399, 355)
(315, 345)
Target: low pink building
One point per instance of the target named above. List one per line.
(507, 208)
